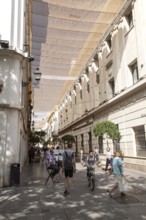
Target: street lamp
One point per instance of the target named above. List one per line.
(37, 74)
(37, 78)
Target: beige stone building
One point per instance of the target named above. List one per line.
(112, 87)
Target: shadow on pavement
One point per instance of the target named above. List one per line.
(34, 200)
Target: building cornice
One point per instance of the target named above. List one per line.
(19, 55)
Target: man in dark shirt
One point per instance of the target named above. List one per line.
(68, 167)
(31, 153)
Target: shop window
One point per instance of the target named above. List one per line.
(90, 141)
(76, 144)
(82, 140)
(100, 144)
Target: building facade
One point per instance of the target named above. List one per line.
(15, 92)
(112, 87)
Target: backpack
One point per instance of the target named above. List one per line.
(91, 161)
(68, 165)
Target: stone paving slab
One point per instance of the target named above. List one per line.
(34, 200)
(126, 200)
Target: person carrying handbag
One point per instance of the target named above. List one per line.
(118, 171)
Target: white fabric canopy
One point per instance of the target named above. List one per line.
(65, 34)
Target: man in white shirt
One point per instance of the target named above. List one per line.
(109, 159)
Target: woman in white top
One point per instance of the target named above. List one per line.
(51, 163)
(109, 159)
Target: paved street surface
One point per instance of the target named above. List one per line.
(33, 200)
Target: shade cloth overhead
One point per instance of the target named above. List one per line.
(65, 34)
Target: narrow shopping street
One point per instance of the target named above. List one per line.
(33, 200)
(72, 84)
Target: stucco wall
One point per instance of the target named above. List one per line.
(13, 135)
(11, 76)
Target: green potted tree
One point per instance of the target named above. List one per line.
(68, 138)
(109, 129)
(35, 139)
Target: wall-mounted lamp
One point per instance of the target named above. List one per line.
(37, 76)
(4, 44)
(30, 58)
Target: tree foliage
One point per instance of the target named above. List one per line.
(37, 137)
(68, 138)
(109, 128)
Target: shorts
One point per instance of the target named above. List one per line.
(68, 173)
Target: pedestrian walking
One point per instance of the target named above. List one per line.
(51, 163)
(68, 168)
(109, 158)
(81, 155)
(118, 171)
(31, 153)
(96, 153)
(91, 161)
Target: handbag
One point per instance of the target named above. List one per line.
(123, 185)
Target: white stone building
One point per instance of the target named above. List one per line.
(113, 87)
(14, 74)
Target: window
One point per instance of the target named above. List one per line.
(81, 94)
(100, 143)
(80, 81)
(88, 87)
(109, 43)
(75, 99)
(129, 18)
(95, 63)
(76, 144)
(112, 86)
(82, 140)
(87, 72)
(90, 141)
(97, 78)
(96, 60)
(140, 140)
(134, 72)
